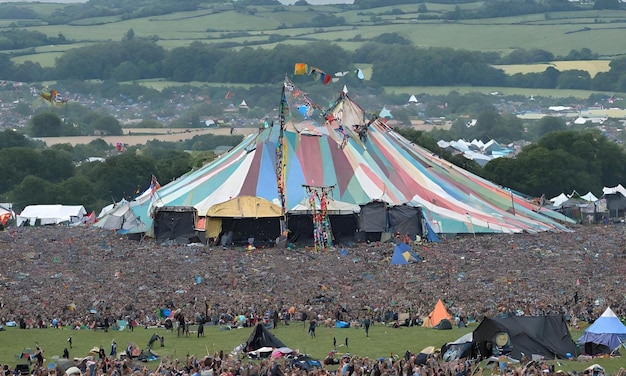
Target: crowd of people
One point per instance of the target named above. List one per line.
(54, 277)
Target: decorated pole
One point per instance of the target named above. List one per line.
(281, 151)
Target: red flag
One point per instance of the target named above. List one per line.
(228, 95)
(4, 218)
(154, 186)
(90, 219)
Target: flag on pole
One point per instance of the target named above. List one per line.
(154, 186)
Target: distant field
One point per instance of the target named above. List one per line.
(591, 66)
(444, 90)
(132, 140)
(45, 59)
(558, 32)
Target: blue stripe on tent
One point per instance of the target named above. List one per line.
(267, 186)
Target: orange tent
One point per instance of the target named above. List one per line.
(436, 315)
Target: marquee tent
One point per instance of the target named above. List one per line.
(357, 159)
(51, 214)
(606, 334)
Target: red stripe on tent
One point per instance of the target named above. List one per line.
(312, 160)
(252, 178)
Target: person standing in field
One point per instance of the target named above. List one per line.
(312, 325)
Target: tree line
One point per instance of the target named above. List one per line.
(35, 174)
(560, 161)
(393, 64)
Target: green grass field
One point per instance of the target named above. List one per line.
(558, 32)
(381, 343)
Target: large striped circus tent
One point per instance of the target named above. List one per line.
(342, 163)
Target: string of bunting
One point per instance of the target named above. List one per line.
(304, 69)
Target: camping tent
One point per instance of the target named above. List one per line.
(605, 334)
(461, 348)
(118, 216)
(547, 336)
(261, 337)
(402, 254)
(358, 160)
(436, 315)
(51, 214)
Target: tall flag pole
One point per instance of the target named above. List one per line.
(281, 151)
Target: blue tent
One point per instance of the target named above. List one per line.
(605, 334)
(402, 254)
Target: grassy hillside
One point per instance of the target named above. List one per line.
(268, 26)
(558, 32)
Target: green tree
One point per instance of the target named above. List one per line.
(550, 124)
(108, 124)
(46, 124)
(10, 138)
(55, 165)
(490, 125)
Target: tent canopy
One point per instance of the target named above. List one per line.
(332, 208)
(607, 331)
(245, 207)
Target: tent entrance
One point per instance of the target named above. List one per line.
(239, 231)
(344, 228)
(175, 223)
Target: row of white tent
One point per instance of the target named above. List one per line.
(589, 197)
(561, 199)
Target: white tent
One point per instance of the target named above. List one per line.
(119, 217)
(606, 334)
(589, 197)
(51, 214)
(613, 190)
(559, 200)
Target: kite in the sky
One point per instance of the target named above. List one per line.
(52, 96)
